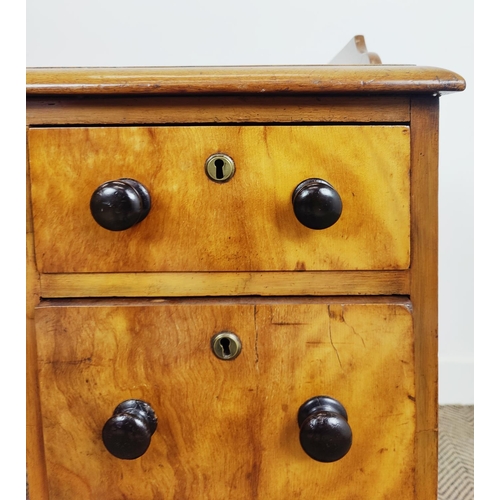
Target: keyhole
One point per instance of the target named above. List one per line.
(225, 344)
(219, 168)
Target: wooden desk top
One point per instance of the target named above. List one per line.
(321, 79)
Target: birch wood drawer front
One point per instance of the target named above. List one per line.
(245, 224)
(227, 429)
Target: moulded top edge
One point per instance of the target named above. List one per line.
(324, 79)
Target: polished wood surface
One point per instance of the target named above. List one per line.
(424, 287)
(147, 109)
(35, 453)
(245, 224)
(243, 79)
(365, 346)
(95, 354)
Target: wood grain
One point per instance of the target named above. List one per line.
(246, 224)
(362, 350)
(146, 109)
(424, 287)
(227, 429)
(221, 284)
(245, 79)
(35, 455)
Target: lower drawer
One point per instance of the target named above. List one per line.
(227, 428)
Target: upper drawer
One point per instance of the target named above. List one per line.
(245, 224)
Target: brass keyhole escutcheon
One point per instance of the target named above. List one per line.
(219, 167)
(226, 345)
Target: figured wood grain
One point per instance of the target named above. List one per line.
(221, 284)
(104, 101)
(93, 110)
(243, 79)
(227, 429)
(361, 355)
(246, 224)
(35, 455)
(424, 287)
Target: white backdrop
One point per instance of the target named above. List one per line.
(223, 32)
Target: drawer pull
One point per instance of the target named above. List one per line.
(120, 204)
(325, 434)
(316, 204)
(128, 432)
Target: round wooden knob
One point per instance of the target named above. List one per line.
(316, 204)
(325, 434)
(127, 434)
(120, 204)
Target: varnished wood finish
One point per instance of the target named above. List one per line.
(355, 52)
(364, 349)
(35, 454)
(221, 283)
(227, 429)
(245, 79)
(92, 110)
(424, 287)
(246, 224)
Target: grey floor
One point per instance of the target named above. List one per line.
(456, 453)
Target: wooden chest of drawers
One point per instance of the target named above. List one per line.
(242, 262)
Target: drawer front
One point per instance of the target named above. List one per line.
(227, 429)
(244, 224)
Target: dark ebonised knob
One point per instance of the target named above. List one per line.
(121, 204)
(325, 434)
(316, 204)
(128, 432)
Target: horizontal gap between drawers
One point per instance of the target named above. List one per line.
(400, 300)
